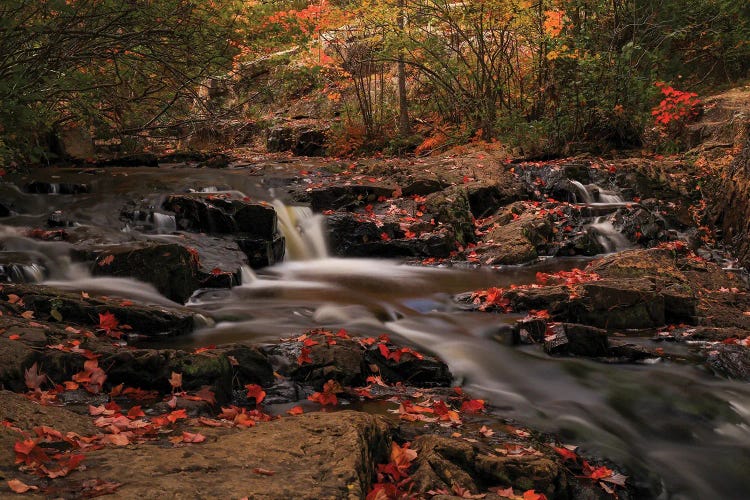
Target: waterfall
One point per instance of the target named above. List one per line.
(164, 223)
(303, 231)
(585, 194)
(608, 237)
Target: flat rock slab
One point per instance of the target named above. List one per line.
(313, 456)
(148, 320)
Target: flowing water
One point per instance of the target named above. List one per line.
(675, 427)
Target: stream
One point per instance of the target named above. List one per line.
(674, 427)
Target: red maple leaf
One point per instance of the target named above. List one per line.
(255, 391)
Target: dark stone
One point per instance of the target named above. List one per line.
(171, 268)
(423, 187)
(552, 298)
(216, 214)
(280, 139)
(131, 160)
(342, 362)
(620, 303)
(262, 252)
(529, 331)
(147, 320)
(57, 219)
(4, 211)
(216, 161)
(425, 372)
(13, 362)
(347, 196)
(728, 360)
(443, 463)
(352, 237)
(451, 208)
(310, 142)
(250, 365)
(586, 340)
(41, 187)
(486, 199)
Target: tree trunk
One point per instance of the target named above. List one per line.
(404, 127)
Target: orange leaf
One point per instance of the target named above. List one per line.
(175, 380)
(296, 410)
(19, 486)
(263, 472)
(189, 437)
(255, 391)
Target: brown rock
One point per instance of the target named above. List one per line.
(312, 456)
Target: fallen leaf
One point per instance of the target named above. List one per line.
(263, 472)
(256, 392)
(19, 486)
(296, 410)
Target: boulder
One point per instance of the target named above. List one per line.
(443, 462)
(147, 320)
(216, 213)
(338, 196)
(311, 456)
(172, 269)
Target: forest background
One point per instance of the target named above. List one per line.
(396, 76)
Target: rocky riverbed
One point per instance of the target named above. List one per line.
(464, 326)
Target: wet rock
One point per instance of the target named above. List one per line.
(310, 142)
(552, 298)
(130, 160)
(423, 187)
(351, 236)
(215, 161)
(342, 362)
(620, 304)
(209, 213)
(4, 210)
(279, 139)
(249, 364)
(487, 197)
(262, 252)
(411, 370)
(147, 320)
(339, 196)
(312, 456)
(171, 268)
(443, 462)
(42, 187)
(578, 340)
(58, 219)
(729, 197)
(729, 360)
(529, 331)
(301, 140)
(451, 208)
(584, 243)
(518, 241)
(13, 356)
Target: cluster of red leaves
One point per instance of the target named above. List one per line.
(396, 355)
(567, 278)
(677, 106)
(238, 417)
(109, 324)
(491, 298)
(436, 410)
(393, 478)
(606, 478)
(328, 396)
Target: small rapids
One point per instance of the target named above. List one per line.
(674, 427)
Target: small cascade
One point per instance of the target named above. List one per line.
(595, 195)
(164, 223)
(21, 273)
(304, 232)
(584, 191)
(247, 275)
(607, 236)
